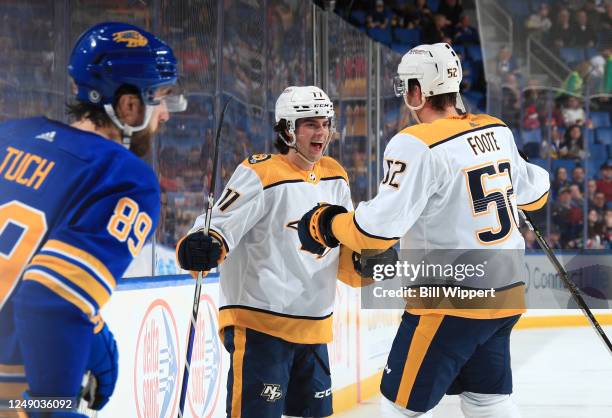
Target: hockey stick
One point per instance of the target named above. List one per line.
(198, 288)
(566, 280)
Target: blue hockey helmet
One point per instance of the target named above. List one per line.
(111, 54)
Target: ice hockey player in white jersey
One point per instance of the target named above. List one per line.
(452, 181)
(276, 298)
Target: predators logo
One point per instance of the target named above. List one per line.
(257, 158)
(132, 38)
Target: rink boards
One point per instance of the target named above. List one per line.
(150, 318)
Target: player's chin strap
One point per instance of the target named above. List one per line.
(127, 130)
(293, 143)
(413, 109)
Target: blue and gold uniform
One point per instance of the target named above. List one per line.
(75, 208)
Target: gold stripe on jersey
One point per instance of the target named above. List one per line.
(300, 330)
(536, 204)
(421, 340)
(12, 369)
(83, 257)
(75, 274)
(434, 133)
(278, 170)
(348, 232)
(237, 366)
(508, 302)
(12, 390)
(70, 295)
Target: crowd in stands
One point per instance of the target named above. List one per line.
(256, 64)
(403, 24)
(567, 130)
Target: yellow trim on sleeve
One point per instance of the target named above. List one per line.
(83, 256)
(88, 283)
(55, 287)
(16, 369)
(11, 390)
(538, 204)
(346, 269)
(345, 230)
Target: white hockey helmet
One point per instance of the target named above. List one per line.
(436, 67)
(303, 102)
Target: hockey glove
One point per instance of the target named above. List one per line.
(314, 229)
(104, 366)
(198, 252)
(364, 263)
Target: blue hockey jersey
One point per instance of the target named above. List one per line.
(75, 208)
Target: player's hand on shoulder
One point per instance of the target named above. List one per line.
(199, 252)
(314, 229)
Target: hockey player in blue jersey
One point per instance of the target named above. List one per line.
(75, 208)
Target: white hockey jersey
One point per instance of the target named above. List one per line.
(454, 183)
(268, 283)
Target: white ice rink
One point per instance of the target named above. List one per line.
(558, 373)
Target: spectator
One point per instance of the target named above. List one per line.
(577, 198)
(554, 238)
(578, 177)
(556, 143)
(561, 34)
(598, 68)
(591, 190)
(464, 33)
(561, 210)
(595, 230)
(379, 17)
(506, 64)
(511, 107)
(452, 10)
(437, 31)
(531, 118)
(599, 203)
(604, 184)
(573, 113)
(418, 15)
(608, 228)
(606, 19)
(560, 181)
(593, 15)
(585, 35)
(573, 146)
(539, 23)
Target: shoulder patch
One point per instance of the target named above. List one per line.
(257, 158)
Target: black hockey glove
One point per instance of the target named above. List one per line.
(314, 229)
(198, 252)
(364, 263)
